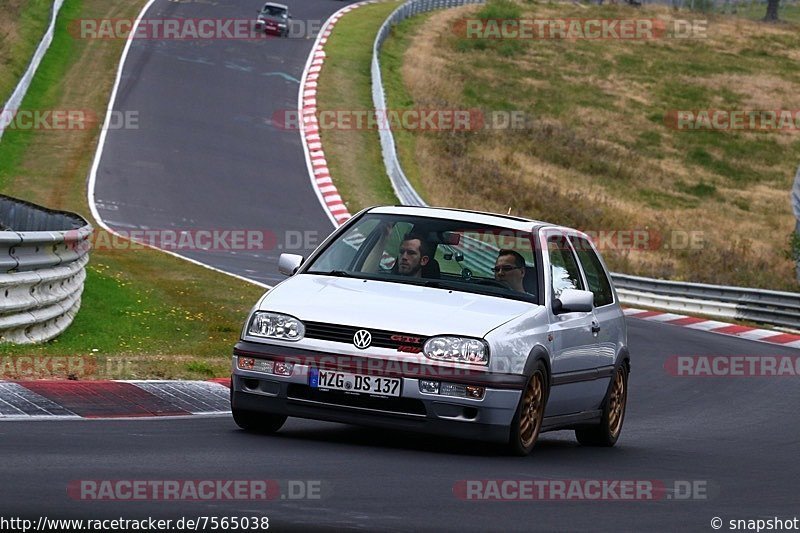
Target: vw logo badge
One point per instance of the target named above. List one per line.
(362, 339)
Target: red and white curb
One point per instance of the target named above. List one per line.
(26, 400)
(317, 164)
(715, 326)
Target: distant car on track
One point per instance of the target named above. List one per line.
(444, 321)
(274, 18)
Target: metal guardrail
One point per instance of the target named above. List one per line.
(15, 101)
(756, 305)
(43, 255)
(402, 187)
(770, 307)
(796, 209)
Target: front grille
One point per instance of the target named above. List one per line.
(395, 405)
(380, 338)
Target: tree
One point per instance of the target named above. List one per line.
(772, 11)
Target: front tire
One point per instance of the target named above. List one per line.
(527, 421)
(253, 422)
(607, 432)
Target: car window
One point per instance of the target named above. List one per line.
(272, 11)
(564, 267)
(461, 256)
(388, 246)
(593, 269)
(341, 255)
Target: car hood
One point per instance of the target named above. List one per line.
(390, 306)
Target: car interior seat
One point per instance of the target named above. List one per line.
(529, 282)
(432, 270)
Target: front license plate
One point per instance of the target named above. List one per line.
(328, 379)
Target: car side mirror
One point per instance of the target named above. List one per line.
(573, 301)
(289, 263)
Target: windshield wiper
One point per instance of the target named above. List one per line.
(337, 273)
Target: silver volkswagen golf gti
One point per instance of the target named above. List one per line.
(443, 321)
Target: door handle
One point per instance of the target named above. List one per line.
(595, 327)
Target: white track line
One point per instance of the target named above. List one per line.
(99, 154)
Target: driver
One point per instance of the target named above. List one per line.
(414, 254)
(510, 269)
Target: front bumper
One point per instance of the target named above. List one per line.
(486, 419)
(270, 26)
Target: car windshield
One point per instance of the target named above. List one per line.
(272, 11)
(434, 252)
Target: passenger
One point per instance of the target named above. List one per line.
(414, 254)
(510, 269)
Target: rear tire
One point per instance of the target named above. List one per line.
(607, 432)
(527, 421)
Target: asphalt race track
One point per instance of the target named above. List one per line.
(206, 155)
(208, 152)
(737, 437)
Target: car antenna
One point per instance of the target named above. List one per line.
(509, 210)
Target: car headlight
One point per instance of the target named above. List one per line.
(457, 350)
(276, 326)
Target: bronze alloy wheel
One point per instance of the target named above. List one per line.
(616, 402)
(608, 430)
(530, 420)
(527, 421)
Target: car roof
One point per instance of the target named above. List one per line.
(480, 217)
(272, 4)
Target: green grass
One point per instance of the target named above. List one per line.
(43, 92)
(155, 333)
(787, 11)
(597, 151)
(118, 316)
(397, 95)
(16, 51)
(354, 156)
(144, 314)
(701, 190)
